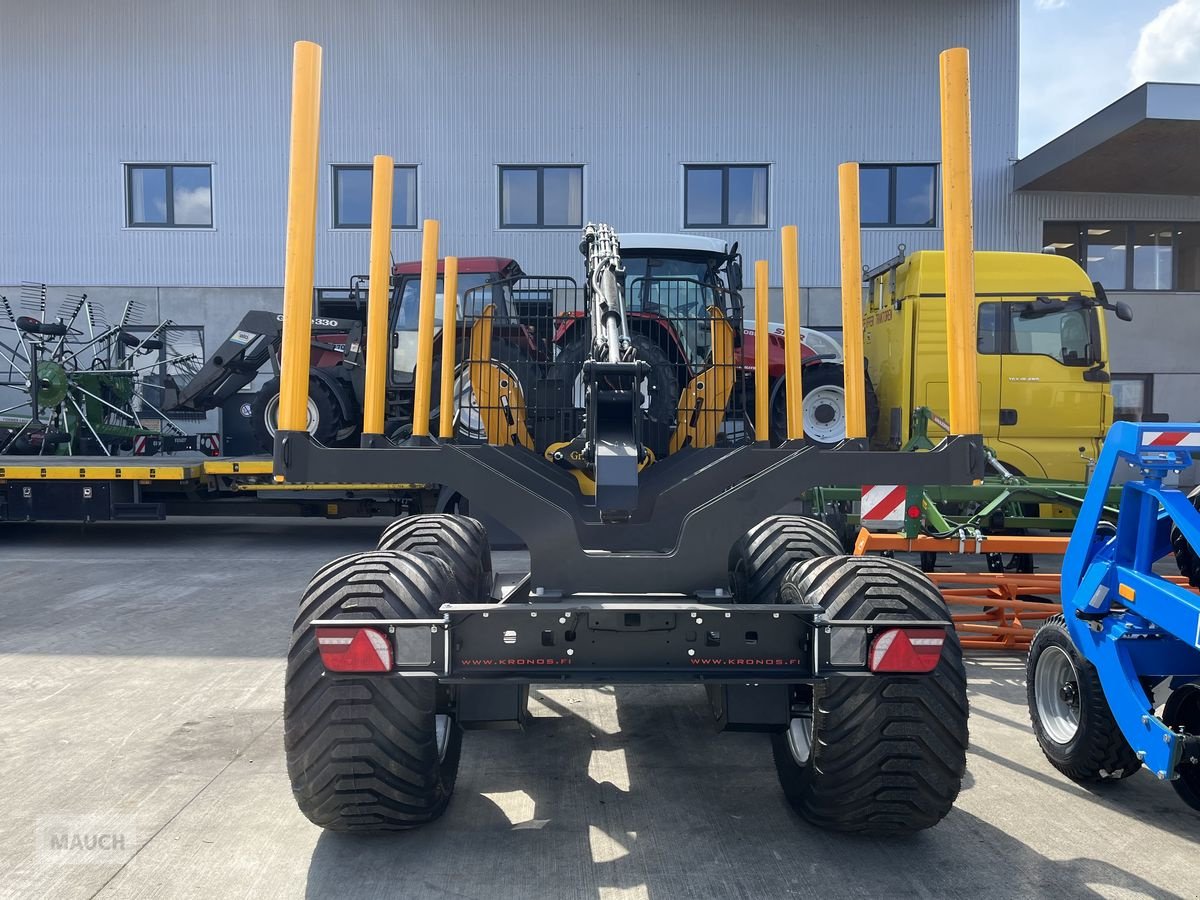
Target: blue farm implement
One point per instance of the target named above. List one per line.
(1129, 638)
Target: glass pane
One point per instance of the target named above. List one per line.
(353, 198)
(1153, 258)
(1061, 238)
(748, 195)
(193, 195)
(1064, 336)
(404, 198)
(1187, 248)
(703, 197)
(873, 194)
(518, 197)
(562, 196)
(1106, 254)
(916, 195)
(1129, 399)
(148, 196)
(989, 328)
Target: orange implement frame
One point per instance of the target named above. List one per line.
(1011, 605)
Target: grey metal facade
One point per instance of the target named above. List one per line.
(632, 91)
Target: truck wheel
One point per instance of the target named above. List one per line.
(824, 407)
(1071, 717)
(325, 421)
(883, 754)
(763, 555)
(368, 753)
(1185, 554)
(459, 541)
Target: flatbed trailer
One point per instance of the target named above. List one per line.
(103, 488)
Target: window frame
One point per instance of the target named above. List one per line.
(169, 170)
(1081, 240)
(540, 169)
(724, 169)
(335, 190)
(1148, 413)
(891, 203)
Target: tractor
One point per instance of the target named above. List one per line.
(657, 554)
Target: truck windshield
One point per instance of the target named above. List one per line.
(410, 299)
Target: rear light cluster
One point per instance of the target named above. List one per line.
(354, 649)
(906, 650)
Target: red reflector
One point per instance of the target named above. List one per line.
(354, 650)
(914, 512)
(907, 650)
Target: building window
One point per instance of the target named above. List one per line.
(1131, 256)
(352, 187)
(893, 196)
(725, 196)
(168, 196)
(541, 196)
(1133, 398)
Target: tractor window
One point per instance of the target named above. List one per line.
(1066, 336)
(410, 300)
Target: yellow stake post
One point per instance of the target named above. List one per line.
(792, 386)
(762, 352)
(301, 237)
(959, 241)
(374, 393)
(852, 317)
(424, 377)
(449, 324)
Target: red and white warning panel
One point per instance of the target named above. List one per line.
(882, 507)
(1171, 438)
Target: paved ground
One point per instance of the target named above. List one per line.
(141, 675)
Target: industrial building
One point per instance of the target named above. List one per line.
(151, 148)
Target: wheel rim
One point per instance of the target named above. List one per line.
(800, 738)
(825, 414)
(1056, 693)
(441, 728)
(468, 416)
(271, 416)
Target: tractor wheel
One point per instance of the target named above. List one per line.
(368, 752)
(469, 423)
(458, 541)
(325, 420)
(882, 754)
(660, 404)
(1185, 555)
(1182, 712)
(763, 555)
(824, 407)
(1071, 717)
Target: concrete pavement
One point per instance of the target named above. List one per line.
(141, 677)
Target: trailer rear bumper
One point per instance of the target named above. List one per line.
(628, 640)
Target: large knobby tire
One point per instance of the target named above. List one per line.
(368, 752)
(1071, 717)
(325, 420)
(660, 403)
(763, 555)
(824, 407)
(459, 541)
(1185, 555)
(883, 754)
(1182, 712)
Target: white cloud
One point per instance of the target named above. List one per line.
(1050, 4)
(1169, 46)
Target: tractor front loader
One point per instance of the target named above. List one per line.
(651, 561)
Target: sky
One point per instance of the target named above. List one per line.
(1078, 56)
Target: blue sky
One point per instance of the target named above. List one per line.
(1078, 56)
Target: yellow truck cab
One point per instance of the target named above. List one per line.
(1044, 395)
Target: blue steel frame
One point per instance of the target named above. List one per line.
(1129, 622)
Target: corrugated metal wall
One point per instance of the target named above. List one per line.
(632, 90)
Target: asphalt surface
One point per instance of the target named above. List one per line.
(141, 755)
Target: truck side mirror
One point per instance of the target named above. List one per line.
(1123, 310)
(735, 275)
